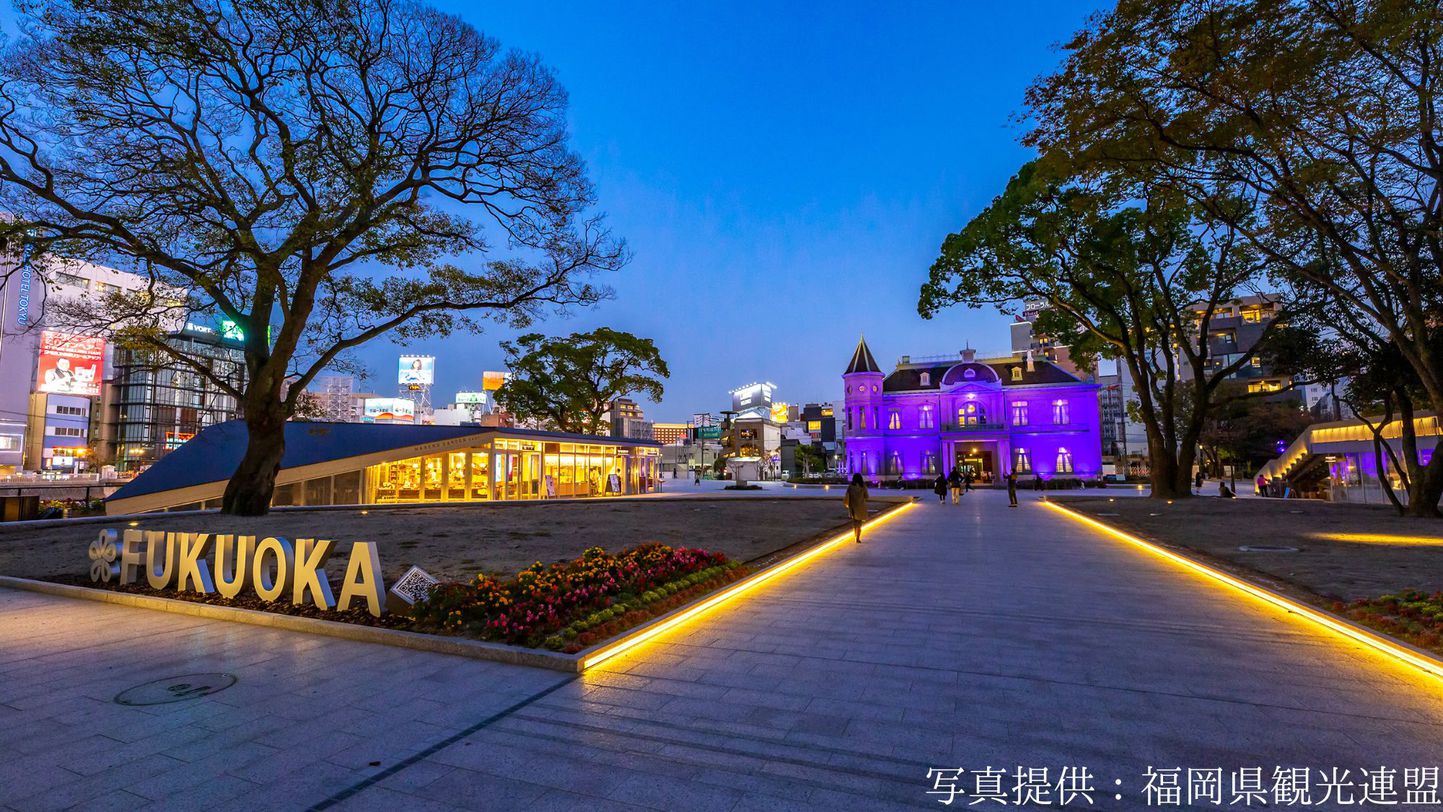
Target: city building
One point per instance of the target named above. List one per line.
(670, 433)
(378, 464)
(626, 419)
(1026, 341)
(159, 403)
(338, 398)
(985, 416)
(48, 373)
(1233, 330)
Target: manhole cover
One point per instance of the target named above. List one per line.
(174, 689)
(1266, 548)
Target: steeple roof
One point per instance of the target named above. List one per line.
(862, 360)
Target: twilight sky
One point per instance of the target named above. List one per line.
(783, 177)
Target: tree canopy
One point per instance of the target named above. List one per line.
(568, 383)
(319, 172)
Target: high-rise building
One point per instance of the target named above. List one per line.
(626, 419)
(1234, 330)
(670, 433)
(159, 403)
(51, 380)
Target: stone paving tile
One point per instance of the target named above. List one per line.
(960, 637)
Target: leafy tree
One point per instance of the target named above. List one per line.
(569, 383)
(1123, 277)
(1322, 113)
(318, 173)
(1244, 431)
(808, 458)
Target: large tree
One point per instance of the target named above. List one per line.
(1325, 113)
(1139, 281)
(569, 383)
(318, 172)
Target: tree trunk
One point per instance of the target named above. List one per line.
(1164, 475)
(1426, 489)
(254, 482)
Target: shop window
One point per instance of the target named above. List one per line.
(1064, 461)
(1060, 415)
(1019, 414)
(894, 420)
(318, 491)
(1022, 461)
(284, 496)
(346, 489)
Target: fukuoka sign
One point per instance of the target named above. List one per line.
(227, 565)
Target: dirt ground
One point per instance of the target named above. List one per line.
(456, 542)
(1328, 569)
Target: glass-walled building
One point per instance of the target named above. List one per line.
(379, 464)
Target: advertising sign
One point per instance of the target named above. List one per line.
(419, 370)
(491, 381)
(781, 412)
(70, 364)
(389, 410)
(470, 398)
(709, 432)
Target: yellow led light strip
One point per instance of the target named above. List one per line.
(1379, 538)
(741, 587)
(1382, 645)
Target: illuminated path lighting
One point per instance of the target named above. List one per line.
(1380, 538)
(735, 590)
(1382, 645)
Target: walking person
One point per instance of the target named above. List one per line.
(856, 502)
(967, 481)
(1012, 488)
(954, 480)
(1197, 482)
(939, 487)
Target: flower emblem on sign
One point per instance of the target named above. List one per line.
(102, 554)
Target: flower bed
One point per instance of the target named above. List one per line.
(571, 605)
(1414, 616)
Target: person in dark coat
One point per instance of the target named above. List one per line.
(967, 482)
(1012, 488)
(856, 502)
(954, 480)
(939, 487)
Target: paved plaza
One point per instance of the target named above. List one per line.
(968, 636)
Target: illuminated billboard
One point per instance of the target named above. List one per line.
(389, 410)
(491, 381)
(70, 364)
(781, 412)
(470, 398)
(417, 370)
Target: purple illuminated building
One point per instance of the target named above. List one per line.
(988, 416)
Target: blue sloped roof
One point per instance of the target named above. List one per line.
(213, 454)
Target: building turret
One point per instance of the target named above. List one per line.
(863, 386)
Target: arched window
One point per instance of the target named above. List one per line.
(1060, 415)
(1019, 413)
(970, 414)
(1021, 460)
(1064, 461)
(930, 464)
(894, 420)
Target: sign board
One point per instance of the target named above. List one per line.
(388, 410)
(70, 364)
(709, 433)
(419, 370)
(412, 588)
(491, 381)
(781, 412)
(272, 568)
(470, 398)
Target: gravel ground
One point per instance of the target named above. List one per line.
(456, 542)
(1327, 569)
